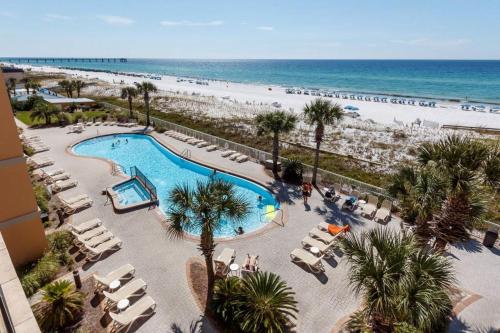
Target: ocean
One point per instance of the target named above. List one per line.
(472, 80)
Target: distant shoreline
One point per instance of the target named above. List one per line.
(309, 86)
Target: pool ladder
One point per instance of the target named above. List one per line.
(186, 153)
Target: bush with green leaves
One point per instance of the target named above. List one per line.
(40, 273)
(78, 116)
(64, 119)
(292, 171)
(260, 302)
(61, 306)
(41, 196)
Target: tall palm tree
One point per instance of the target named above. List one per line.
(266, 304)
(43, 110)
(275, 123)
(11, 85)
(61, 306)
(260, 302)
(399, 281)
(145, 88)
(321, 113)
(79, 85)
(206, 208)
(129, 93)
(35, 86)
(27, 85)
(67, 86)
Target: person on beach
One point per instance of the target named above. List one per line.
(306, 191)
(239, 231)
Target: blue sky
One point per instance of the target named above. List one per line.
(355, 29)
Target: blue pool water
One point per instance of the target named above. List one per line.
(165, 170)
(131, 192)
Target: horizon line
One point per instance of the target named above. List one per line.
(243, 59)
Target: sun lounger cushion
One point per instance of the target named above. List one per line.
(307, 258)
(74, 199)
(134, 311)
(90, 233)
(126, 291)
(227, 255)
(85, 226)
(242, 158)
(104, 247)
(321, 235)
(227, 153)
(116, 274)
(94, 241)
(211, 148)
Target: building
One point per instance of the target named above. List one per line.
(20, 222)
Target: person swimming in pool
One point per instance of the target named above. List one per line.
(126, 141)
(239, 231)
(113, 145)
(259, 198)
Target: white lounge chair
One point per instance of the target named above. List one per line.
(71, 208)
(242, 158)
(370, 208)
(42, 174)
(250, 265)
(133, 312)
(58, 177)
(73, 199)
(99, 239)
(224, 260)
(89, 233)
(313, 262)
(95, 253)
(322, 236)
(325, 249)
(63, 185)
(40, 149)
(383, 215)
(227, 153)
(103, 282)
(211, 148)
(85, 226)
(234, 156)
(39, 162)
(132, 288)
(202, 144)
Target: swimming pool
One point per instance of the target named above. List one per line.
(131, 192)
(166, 169)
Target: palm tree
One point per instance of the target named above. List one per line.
(79, 85)
(266, 304)
(35, 86)
(27, 85)
(67, 86)
(321, 113)
(260, 302)
(145, 88)
(129, 93)
(61, 306)
(205, 208)
(43, 110)
(11, 85)
(466, 166)
(275, 123)
(399, 281)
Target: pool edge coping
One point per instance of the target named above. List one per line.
(162, 216)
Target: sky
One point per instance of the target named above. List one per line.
(223, 29)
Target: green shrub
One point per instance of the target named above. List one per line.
(64, 119)
(28, 150)
(40, 274)
(42, 197)
(292, 171)
(78, 116)
(104, 117)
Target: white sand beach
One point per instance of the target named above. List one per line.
(445, 113)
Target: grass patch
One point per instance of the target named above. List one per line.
(24, 116)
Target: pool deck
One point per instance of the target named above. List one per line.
(323, 299)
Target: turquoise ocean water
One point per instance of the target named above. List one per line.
(473, 80)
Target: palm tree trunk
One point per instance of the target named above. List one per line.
(207, 247)
(316, 162)
(276, 151)
(130, 106)
(146, 102)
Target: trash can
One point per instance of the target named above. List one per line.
(490, 237)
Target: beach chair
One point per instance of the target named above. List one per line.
(131, 289)
(352, 201)
(202, 144)
(332, 194)
(62, 185)
(132, 313)
(73, 199)
(345, 189)
(71, 208)
(194, 141)
(242, 158)
(211, 148)
(89, 233)
(85, 226)
(97, 123)
(58, 177)
(383, 215)
(310, 260)
(39, 162)
(323, 236)
(333, 229)
(223, 261)
(40, 149)
(42, 174)
(95, 253)
(95, 241)
(227, 153)
(250, 265)
(103, 282)
(324, 249)
(370, 208)
(234, 156)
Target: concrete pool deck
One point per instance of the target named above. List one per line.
(161, 262)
